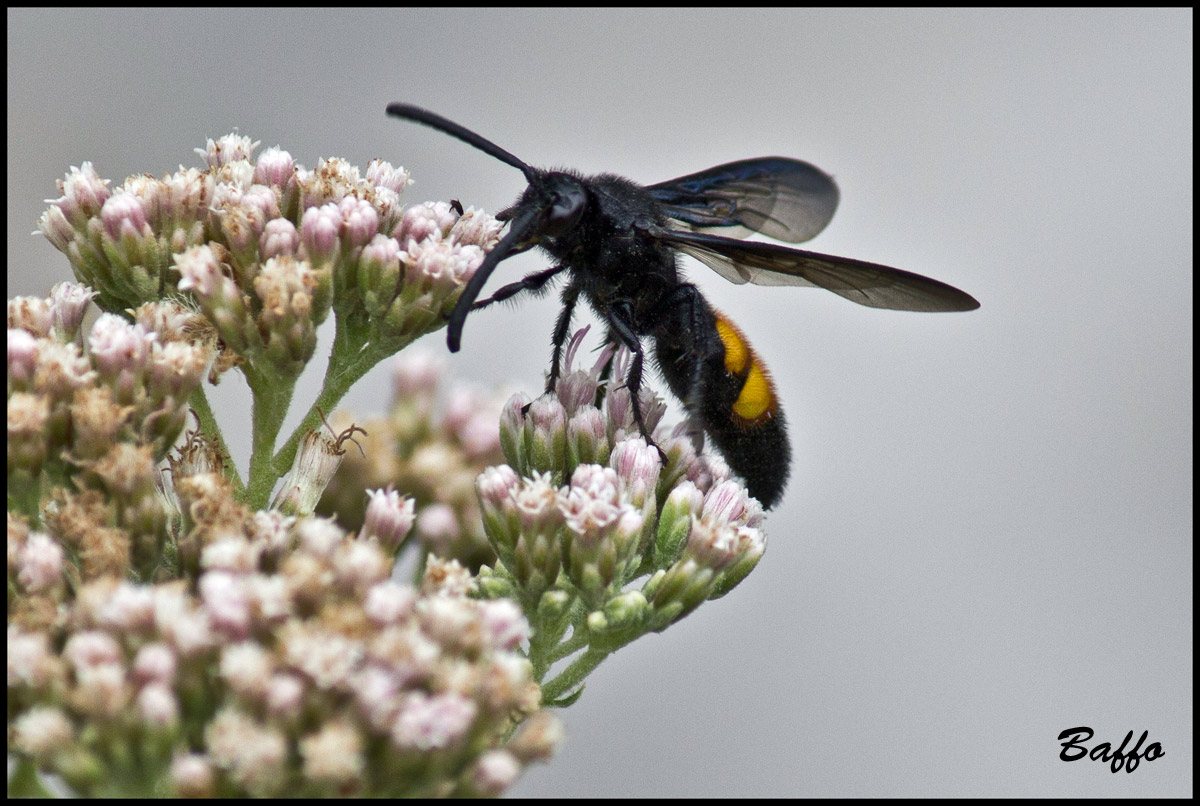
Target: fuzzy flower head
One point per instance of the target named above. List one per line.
(524, 520)
(603, 531)
(430, 448)
(719, 548)
(683, 527)
(429, 679)
(353, 248)
(227, 149)
(388, 518)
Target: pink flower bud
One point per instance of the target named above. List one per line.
(274, 167)
(382, 174)
(388, 518)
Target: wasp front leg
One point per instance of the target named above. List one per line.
(532, 282)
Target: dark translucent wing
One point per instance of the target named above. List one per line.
(782, 198)
(858, 281)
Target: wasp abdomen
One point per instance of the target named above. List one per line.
(709, 364)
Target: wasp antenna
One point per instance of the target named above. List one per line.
(435, 121)
(519, 231)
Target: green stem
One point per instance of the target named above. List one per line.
(271, 394)
(576, 642)
(541, 646)
(209, 427)
(573, 675)
(544, 646)
(349, 360)
(335, 388)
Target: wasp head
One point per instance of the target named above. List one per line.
(554, 203)
(551, 207)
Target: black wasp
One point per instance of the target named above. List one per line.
(617, 242)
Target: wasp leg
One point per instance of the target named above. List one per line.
(532, 282)
(620, 321)
(686, 311)
(570, 296)
(562, 326)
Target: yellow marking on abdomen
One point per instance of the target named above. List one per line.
(757, 400)
(737, 351)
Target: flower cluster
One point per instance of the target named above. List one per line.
(585, 507)
(102, 411)
(265, 248)
(273, 654)
(294, 665)
(168, 633)
(429, 452)
(175, 629)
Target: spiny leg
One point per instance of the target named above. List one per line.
(691, 313)
(620, 320)
(531, 282)
(570, 296)
(686, 311)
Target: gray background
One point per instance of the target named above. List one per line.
(988, 533)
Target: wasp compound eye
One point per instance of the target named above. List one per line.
(565, 212)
